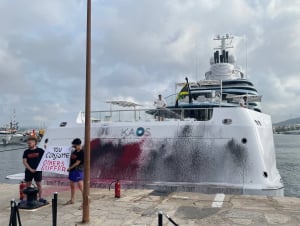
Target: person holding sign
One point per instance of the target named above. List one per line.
(31, 159)
(76, 169)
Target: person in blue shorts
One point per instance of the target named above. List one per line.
(31, 159)
(76, 169)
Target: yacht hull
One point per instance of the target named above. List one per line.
(233, 152)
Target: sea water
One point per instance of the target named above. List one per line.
(287, 155)
(288, 162)
(11, 161)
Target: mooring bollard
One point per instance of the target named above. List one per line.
(31, 194)
(54, 209)
(14, 214)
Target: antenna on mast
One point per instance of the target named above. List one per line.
(246, 57)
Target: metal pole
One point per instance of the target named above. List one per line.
(14, 214)
(86, 179)
(171, 220)
(11, 219)
(54, 209)
(160, 218)
(17, 212)
(221, 92)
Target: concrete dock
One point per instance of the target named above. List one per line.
(140, 207)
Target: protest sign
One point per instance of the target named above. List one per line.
(55, 160)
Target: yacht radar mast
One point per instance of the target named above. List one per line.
(224, 45)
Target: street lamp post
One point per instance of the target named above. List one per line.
(86, 179)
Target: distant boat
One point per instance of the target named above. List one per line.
(292, 132)
(10, 134)
(5, 136)
(6, 132)
(18, 138)
(17, 176)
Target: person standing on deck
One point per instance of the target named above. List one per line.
(243, 102)
(160, 104)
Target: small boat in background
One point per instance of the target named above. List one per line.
(38, 133)
(11, 133)
(5, 136)
(17, 176)
(7, 132)
(18, 138)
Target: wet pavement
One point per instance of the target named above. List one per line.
(141, 207)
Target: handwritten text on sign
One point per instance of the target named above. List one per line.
(55, 160)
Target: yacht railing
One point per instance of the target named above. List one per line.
(167, 114)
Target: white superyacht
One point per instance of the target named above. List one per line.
(206, 142)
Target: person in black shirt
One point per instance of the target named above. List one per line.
(76, 169)
(31, 159)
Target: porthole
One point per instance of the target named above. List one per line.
(265, 174)
(244, 140)
(227, 121)
(140, 131)
(63, 124)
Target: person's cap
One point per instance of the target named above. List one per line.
(76, 141)
(159, 94)
(32, 138)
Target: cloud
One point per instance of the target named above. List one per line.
(139, 49)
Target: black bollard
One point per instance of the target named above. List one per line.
(54, 209)
(31, 202)
(14, 214)
(31, 194)
(12, 219)
(160, 218)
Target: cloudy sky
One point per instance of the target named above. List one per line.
(140, 48)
